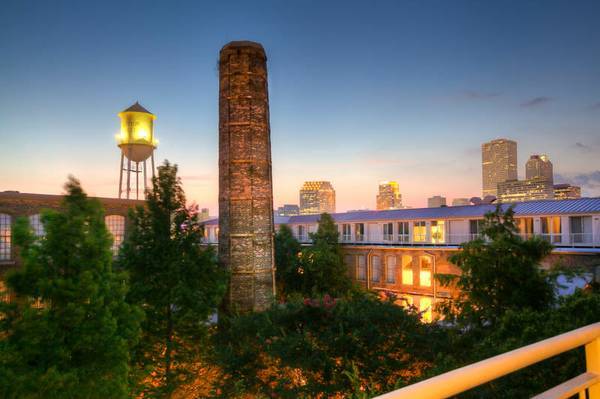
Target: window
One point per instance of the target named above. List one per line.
(36, 225)
(349, 261)
(475, 228)
(359, 232)
(116, 226)
(362, 267)
(301, 233)
(551, 229)
(5, 237)
(388, 231)
(346, 232)
(376, 269)
(403, 234)
(437, 231)
(407, 270)
(419, 232)
(581, 229)
(390, 269)
(425, 308)
(425, 271)
(525, 226)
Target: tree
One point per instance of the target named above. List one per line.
(69, 332)
(287, 258)
(499, 271)
(175, 280)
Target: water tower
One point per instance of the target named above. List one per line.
(137, 144)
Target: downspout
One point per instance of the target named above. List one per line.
(368, 265)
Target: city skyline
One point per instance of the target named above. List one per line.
(414, 116)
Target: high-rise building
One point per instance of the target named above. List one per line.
(203, 215)
(525, 190)
(288, 210)
(245, 179)
(317, 197)
(566, 191)
(436, 201)
(498, 164)
(539, 167)
(461, 201)
(389, 196)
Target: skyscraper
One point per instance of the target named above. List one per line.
(498, 163)
(245, 184)
(288, 210)
(436, 201)
(389, 196)
(525, 190)
(317, 197)
(539, 167)
(566, 191)
(461, 201)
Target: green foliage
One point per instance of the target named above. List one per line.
(320, 268)
(287, 261)
(69, 333)
(175, 280)
(358, 345)
(499, 272)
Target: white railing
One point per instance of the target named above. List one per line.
(473, 375)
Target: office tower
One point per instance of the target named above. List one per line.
(566, 191)
(436, 201)
(389, 196)
(461, 201)
(498, 164)
(288, 210)
(245, 182)
(539, 167)
(317, 197)
(525, 190)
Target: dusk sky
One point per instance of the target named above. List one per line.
(359, 91)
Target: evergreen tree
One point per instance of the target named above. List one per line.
(322, 269)
(174, 279)
(500, 271)
(69, 332)
(287, 252)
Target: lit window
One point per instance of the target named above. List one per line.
(116, 226)
(359, 231)
(36, 225)
(419, 232)
(5, 237)
(525, 226)
(425, 271)
(551, 229)
(407, 270)
(403, 234)
(376, 269)
(425, 309)
(390, 269)
(362, 268)
(437, 231)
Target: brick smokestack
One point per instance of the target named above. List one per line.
(245, 183)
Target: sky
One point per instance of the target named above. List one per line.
(360, 92)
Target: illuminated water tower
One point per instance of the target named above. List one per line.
(137, 144)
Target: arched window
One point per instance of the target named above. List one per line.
(390, 269)
(116, 226)
(5, 237)
(407, 270)
(376, 269)
(36, 225)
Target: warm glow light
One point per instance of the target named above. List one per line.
(142, 134)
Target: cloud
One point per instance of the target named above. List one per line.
(536, 102)
(589, 181)
(479, 95)
(583, 147)
(595, 106)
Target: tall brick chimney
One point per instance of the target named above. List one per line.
(245, 183)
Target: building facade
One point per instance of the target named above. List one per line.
(539, 167)
(461, 201)
(288, 210)
(525, 190)
(566, 191)
(389, 196)
(317, 197)
(498, 164)
(245, 177)
(436, 201)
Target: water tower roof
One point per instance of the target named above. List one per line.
(137, 108)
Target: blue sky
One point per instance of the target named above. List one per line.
(360, 91)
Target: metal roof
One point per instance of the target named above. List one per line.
(529, 208)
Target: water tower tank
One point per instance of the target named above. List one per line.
(137, 143)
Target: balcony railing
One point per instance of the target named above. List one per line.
(473, 375)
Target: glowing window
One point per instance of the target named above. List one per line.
(437, 231)
(36, 225)
(5, 236)
(390, 269)
(419, 232)
(407, 270)
(116, 226)
(525, 226)
(425, 271)
(362, 268)
(376, 269)
(425, 309)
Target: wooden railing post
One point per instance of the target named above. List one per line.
(592, 361)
